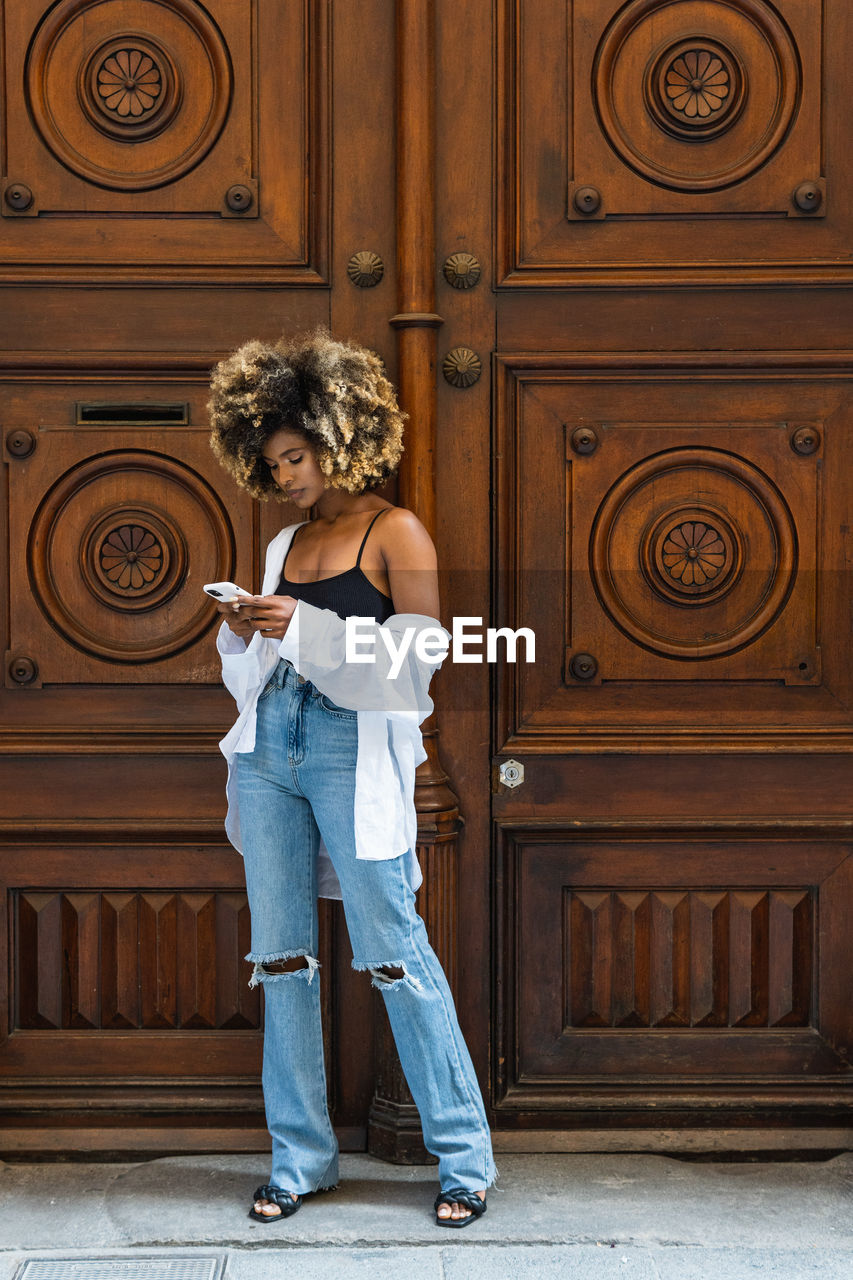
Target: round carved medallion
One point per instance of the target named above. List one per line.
(129, 82)
(154, 87)
(462, 270)
(365, 269)
(696, 89)
(462, 367)
(691, 578)
(693, 553)
(130, 88)
(132, 558)
(698, 85)
(112, 576)
(661, 88)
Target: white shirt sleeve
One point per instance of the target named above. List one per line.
(240, 670)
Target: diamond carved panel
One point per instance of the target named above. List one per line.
(667, 958)
(121, 960)
(687, 958)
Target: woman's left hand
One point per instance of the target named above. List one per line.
(269, 614)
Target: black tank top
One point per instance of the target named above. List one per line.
(346, 594)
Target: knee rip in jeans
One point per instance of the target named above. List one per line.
(388, 976)
(284, 964)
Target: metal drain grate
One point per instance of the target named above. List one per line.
(142, 1267)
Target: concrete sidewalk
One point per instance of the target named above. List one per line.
(638, 1216)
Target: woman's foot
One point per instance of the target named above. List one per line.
(456, 1211)
(268, 1207)
(272, 1202)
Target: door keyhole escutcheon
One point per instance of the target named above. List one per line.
(511, 773)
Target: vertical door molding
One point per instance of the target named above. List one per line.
(394, 1127)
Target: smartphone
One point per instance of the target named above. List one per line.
(225, 591)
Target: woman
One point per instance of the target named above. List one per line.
(323, 753)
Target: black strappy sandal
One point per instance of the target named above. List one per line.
(456, 1195)
(277, 1195)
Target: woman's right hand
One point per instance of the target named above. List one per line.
(237, 621)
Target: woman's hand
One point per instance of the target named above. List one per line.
(239, 624)
(268, 614)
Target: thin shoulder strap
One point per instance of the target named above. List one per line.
(292, 540)
(364, 539)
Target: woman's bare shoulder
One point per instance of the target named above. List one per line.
(399, 522)
(401, 518)
(404, 539)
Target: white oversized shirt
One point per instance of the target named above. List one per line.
(389, 712)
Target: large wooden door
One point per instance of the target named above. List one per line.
(168, 169)
(639, 302)
(671, 413)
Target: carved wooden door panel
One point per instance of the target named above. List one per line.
(166, 195)
(671, 413)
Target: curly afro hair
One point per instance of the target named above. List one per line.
(336, 393)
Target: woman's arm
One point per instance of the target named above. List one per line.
(411, 561)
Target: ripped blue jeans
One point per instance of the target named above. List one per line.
(297, 784)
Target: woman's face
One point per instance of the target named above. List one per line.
(294, 467)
